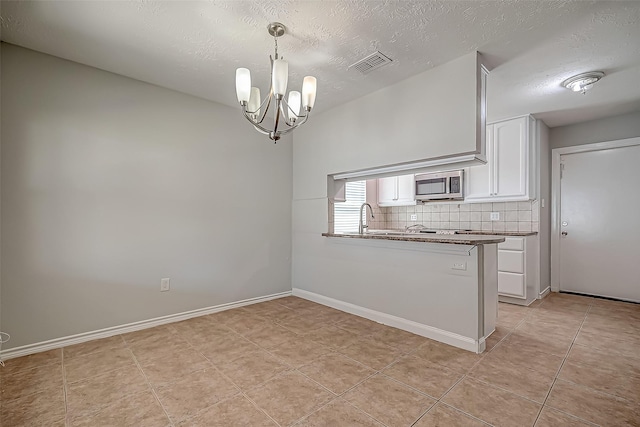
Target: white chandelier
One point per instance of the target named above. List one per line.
(286, 111)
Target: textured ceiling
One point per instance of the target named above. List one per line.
(195, 47)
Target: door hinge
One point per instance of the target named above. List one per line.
(561, 170)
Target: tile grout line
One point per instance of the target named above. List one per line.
(544, 403)
(439, 400)
(67, 421)
(337, 351)
(122, 397)
(255, 405)
(297, 370)
(466, 374)
(153, 391)
(240, 390)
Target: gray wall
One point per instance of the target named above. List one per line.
(110, 184)
(608, 129)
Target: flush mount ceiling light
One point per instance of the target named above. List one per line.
(583, 82)
(286, 111)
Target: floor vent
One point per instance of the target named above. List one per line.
(371, 62)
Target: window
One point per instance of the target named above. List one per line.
(346, 213)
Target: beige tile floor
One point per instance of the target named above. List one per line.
(568, 361)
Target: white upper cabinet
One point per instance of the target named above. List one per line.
(396, 191)
(478, 178)
(406, 189)
(509, 172)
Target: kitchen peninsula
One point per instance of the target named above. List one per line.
(443, 287)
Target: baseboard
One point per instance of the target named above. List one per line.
(436, 334)
(130, 327)
(545, 292)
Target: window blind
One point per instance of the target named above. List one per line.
(346, 213)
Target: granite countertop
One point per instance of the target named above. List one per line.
(455, 239)
(499, 233)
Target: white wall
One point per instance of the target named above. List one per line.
(544, 222)
(433, 114)
(110, 184)
(1, 44)
(608, 129)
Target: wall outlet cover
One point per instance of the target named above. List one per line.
(459, 266)
(414, 217)
(495, 216)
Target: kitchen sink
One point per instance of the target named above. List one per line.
(413, 232)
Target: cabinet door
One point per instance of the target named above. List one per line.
(479, 182)
(406, 189)
(511, 284)
(510, 143)
(387, 191)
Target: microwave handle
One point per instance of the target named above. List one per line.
(447, 181)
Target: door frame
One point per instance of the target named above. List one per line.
(555, 195)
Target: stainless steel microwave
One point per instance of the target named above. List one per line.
(439, 186)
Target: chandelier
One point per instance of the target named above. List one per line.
(287, 115)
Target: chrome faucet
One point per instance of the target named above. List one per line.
(362, 226)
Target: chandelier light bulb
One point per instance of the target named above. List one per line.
(254, 103)
(280, 76)
(243, 84)
(309, 92)
(294, 104)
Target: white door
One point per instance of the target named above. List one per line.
(600, 212)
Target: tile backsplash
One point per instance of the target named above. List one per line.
(513, 216)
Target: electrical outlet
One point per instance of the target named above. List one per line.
(414, 217)
(459, 266)
(495, 216)
(165, 284)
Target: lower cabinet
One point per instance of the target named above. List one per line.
(518, 270)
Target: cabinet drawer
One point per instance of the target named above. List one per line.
(511, 261)
(512, 244)
(511, 284)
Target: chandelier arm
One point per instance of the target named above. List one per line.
(264, 111)
(268, 98)
(259, 107)
(277, 118)
(288, 120)
(255, 125)
(285, 116)
(301, 122)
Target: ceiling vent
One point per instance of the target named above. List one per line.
(371, 62)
